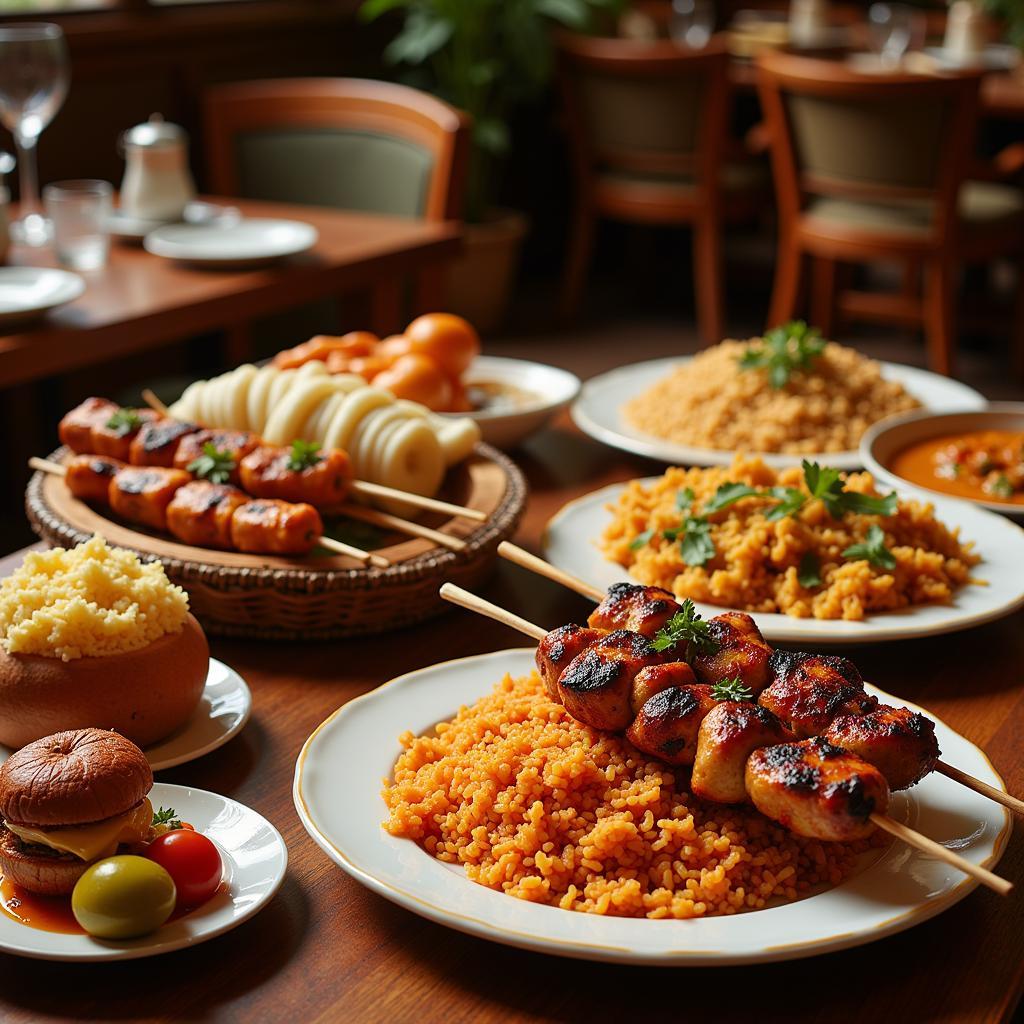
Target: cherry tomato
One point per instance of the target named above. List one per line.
(392, 349)
(447, 339)
(338, 362)
(358, 343)
(369, 366)
(418, 379)
(192, 861)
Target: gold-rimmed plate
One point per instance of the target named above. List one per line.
(337, 792)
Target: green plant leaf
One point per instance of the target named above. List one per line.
(809, 572)
(491, 135)
(641, 540)
(371, 9)
(570, 13)
(873, 549)
(421, 37)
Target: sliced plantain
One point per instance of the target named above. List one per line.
(458, 437)
(235, 398)
(290, 414)
(356, 405)
(256, 400)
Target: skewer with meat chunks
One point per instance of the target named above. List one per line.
(810, 786)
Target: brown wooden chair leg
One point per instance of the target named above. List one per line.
(823, 295)
(787, 282)
(577, 257)
(939, 305)
(707, 272)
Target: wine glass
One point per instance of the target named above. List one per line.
(894, 29)
(692, 23)
(33, 83)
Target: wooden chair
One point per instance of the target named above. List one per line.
(647, 124)
(349, 143)
(875, 168)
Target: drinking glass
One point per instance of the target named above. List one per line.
(79, 213)
(895, 28)
(692, 23)
(33, 83)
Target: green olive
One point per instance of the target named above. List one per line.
(123, 897)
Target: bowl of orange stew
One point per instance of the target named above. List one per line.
(978, 456)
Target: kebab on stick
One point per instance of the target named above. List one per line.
(843, 732)
(839, 795)
(197, 511)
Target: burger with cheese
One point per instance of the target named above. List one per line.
(68, 800)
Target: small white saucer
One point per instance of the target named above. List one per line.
(255, 859)
(223, 710)
(248, 242)
(28, 292)
(122, 225)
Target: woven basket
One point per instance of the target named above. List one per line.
(319, 596)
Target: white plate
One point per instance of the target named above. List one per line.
(255, 858)
(598, 413)
(245, 242)
(28, 292)
(121, 225)
(223, 710)
(886, 439)
(570, 543)
(505, 426)
(337, 794)
(994, 57)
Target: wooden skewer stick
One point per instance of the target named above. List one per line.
(937, 850)
(1010, 802)
(337, 546)
(390, 522)
(546, 569)
(464, 599)
(521, 557)
(367, 489)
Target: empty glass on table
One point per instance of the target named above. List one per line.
(79, 213)
(33, 83)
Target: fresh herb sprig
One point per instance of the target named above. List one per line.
(872, 549)
(215, 464)
(732, 689)
(124, 421)
(808, 573)
(783, 350)
(303, 455)
(167, 819)
(686, 627)
(825, 483)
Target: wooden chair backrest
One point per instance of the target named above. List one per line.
(867, 137)
(645, 107)
(436, 131)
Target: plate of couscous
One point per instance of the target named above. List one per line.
(787, 401)
(474, 800)
(811, 552)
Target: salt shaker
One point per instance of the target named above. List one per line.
(157, 182)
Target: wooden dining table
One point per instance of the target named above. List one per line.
(140, 301)
(326, 948)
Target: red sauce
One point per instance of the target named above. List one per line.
(53, 913)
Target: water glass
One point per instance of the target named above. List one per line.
(692, 23)
(80, 214)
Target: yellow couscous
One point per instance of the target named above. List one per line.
(756, 564)
(87, 602)
(544, 808)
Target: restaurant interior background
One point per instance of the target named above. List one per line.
(130, 58)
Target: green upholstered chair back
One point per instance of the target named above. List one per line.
(352, 170)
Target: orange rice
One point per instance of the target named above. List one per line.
(546, 809)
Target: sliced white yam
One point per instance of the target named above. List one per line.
(320, 418)
(221, 400)
(314, 368)
(412, 460)
(357, 404)
(348, 381)
(187, 407)
(290, 414)
(278, 389)
(364, 445)
(457, 437)
(208, 403)
(413, 408)
(256, 400)
(236, 397)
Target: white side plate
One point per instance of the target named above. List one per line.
(598, 412)
(28, 292)
(337, 794)
(246, 242)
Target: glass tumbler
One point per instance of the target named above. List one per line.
(80, 214)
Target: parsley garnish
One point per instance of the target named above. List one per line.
(303, 455)
(809, 572)
(1001, 487)
(686, 627)
(791, 500)
(640, 540)
(694, 535)
(684, 499)
(873, 549)
(215, 464)
(731, 689)
(825, 483)
(793, 346)
(166, 816)
(726, 495)
(124, 421)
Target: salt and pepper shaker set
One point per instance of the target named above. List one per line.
(157, 183)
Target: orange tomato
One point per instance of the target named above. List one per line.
(369, 366)
(393, 347)
(447, 339)
(338, 362)
(319, 347)
(459, 401)
(358, 343)
(418, 379)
